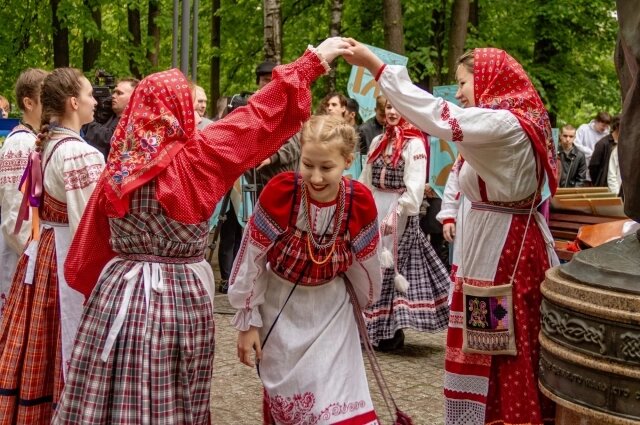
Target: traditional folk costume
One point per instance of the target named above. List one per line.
(42, 312)
(504, 143)
(144, 349)
(312, 367)
(416, 283)
(14, 156)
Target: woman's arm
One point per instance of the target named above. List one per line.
(415, 175)
(365, 176)
(431, 114)
(81, 166)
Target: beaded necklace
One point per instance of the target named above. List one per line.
(64, 130)
(28, 126)
(306, 211)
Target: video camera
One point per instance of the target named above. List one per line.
(104, 84)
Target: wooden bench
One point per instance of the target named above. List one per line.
(565, 225)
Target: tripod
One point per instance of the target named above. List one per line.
(249, 193)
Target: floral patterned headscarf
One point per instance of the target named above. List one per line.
(156, 124)
(500, 82)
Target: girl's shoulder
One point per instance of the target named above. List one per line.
(277, 196)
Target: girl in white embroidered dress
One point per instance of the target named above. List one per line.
(42, 312)
(14, 156)
(503, 133)
(307, 231)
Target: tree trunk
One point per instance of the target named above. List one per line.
(153, 31)
(133, 20)
(214, 94)
(544, 52)
(272, 31)
(438, 16)
(91, 46)
(474, 13)
(335, 29)
(393, 26)
(457, 35)
(60, 38)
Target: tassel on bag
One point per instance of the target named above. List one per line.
(402, 419)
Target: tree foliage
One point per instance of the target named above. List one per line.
(566, 46)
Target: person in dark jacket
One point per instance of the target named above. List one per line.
(599, 164)
(372, 127)
(99, 135)
(571, 161)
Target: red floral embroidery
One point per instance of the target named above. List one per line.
(79, 179)
(456, 131)
(297, 409)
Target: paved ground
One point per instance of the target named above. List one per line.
(414, 374)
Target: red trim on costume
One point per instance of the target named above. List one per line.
(483, 190)
(379, 73)
(456, 395)
(449, 221)
(362, 419)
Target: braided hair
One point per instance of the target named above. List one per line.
(57, 87)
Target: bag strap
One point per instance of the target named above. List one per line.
(55, 148)
(304, 270)
(389, 401)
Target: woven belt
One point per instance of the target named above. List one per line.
(149, 258)
(481, 206)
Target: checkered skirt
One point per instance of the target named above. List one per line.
(159, 369)
(30, 347)
(424, 306)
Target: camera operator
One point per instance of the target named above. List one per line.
(98, 133)
(287, 157)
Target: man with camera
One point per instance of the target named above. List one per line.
(110, 107)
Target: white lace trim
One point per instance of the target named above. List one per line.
(463, 412)
(466, 383)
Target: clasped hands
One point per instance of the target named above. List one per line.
(351, 50)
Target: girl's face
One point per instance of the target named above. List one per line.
(85, 102)
(391, 115)
(465, 93)
(321, 168)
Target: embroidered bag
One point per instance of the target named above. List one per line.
(488, 320)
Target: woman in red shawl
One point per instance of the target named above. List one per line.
(144, 349)
(503, 245)
(415, 285)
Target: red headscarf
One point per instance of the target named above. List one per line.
(500, 82)
(398, 135)
(155, 125)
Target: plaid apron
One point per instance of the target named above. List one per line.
(144, 350)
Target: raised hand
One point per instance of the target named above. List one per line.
(333, 47)
(360, 55)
